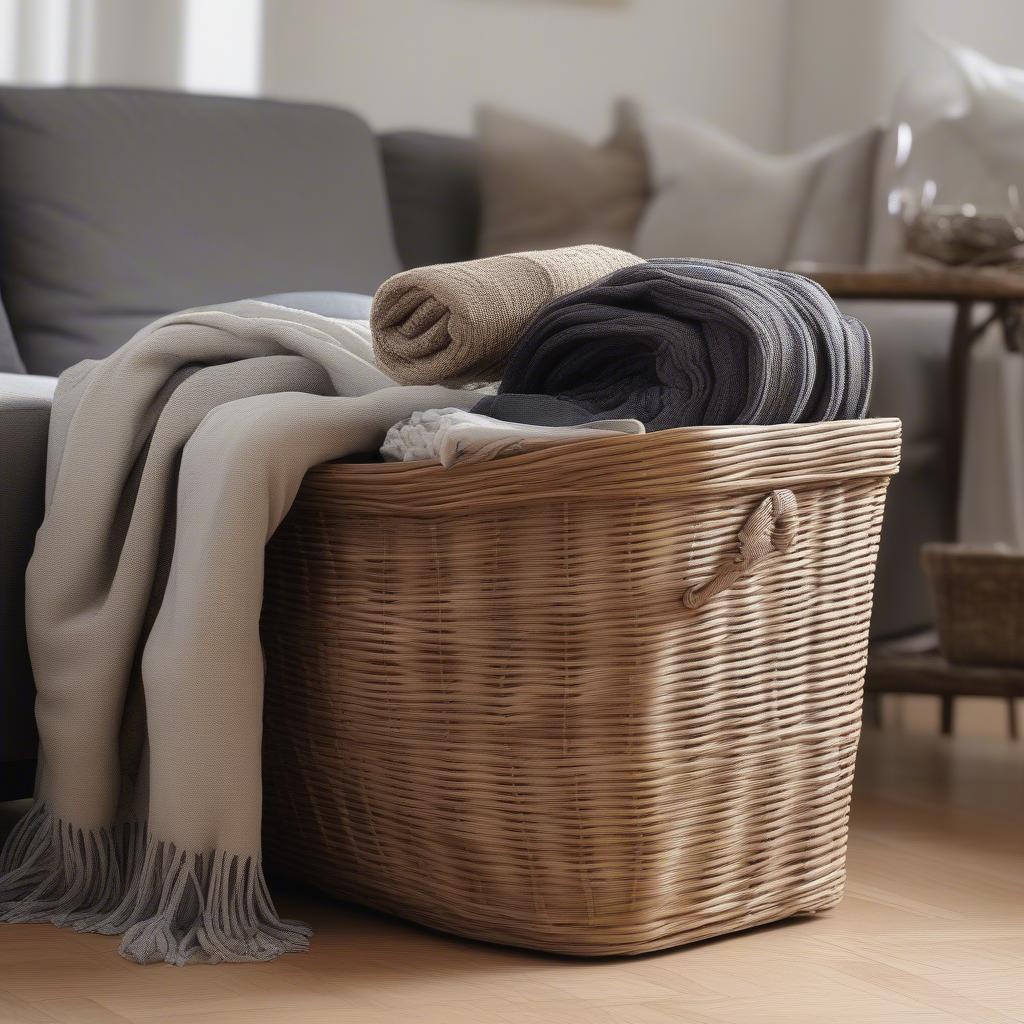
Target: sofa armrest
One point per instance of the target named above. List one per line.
(24, 423)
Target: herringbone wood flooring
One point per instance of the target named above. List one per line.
(931, 932)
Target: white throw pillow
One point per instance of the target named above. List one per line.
(957, 135)
(717, 198)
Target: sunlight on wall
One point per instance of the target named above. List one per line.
(8, 40)
(221, 46)
(35, 41)
(200, 45)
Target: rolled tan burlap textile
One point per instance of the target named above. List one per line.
(457, 322)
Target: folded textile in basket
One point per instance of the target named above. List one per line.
(455, 435)
(457, 322)
(680, 342)
(170, 464)
(339, 305)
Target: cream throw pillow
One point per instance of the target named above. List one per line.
(957, 134)
(543, 188)
(715, 197)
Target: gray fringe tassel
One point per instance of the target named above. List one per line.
(53, 871)
(170, 905)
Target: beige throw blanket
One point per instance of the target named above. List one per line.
(171, 462)
(458, 322)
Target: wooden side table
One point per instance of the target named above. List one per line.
(1003, 292)
(1000, 290)
(930, 673)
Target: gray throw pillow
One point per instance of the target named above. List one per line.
(434, 191)
(119, 206)
(10, 359)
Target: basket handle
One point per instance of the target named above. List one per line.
(770, 527)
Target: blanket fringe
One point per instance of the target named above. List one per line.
(171, 905)
(201, 908)
(53, 871)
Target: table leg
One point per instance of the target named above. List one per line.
(947, 714)
(873, 709)
(956, 390)
(965, 334)
(958, 367)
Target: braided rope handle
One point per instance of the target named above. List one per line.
(770, 527)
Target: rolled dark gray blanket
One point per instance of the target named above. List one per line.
(680, 342)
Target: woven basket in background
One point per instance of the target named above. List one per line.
(602, 698)
(979, 600)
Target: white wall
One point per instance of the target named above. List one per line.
(121, 42)
(425, 63)
(848, 57)
(777, 73)
(201, 45)
(837, 69)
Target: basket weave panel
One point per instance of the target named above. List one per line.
(979, 600)
(489, 711)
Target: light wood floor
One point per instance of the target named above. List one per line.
(931, 930)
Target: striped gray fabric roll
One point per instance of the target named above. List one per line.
(681, 342)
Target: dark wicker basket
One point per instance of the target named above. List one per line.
(979, 598)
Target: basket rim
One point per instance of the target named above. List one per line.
(620, 444)
(729, 432)
(669, 463)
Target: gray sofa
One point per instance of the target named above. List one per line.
(119, 206)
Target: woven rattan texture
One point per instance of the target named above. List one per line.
(979, 598)
(488, 709)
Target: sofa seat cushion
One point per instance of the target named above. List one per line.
(119, 206)
(915, 514)
(910, 343)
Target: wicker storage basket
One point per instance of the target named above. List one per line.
(979, 599)
(603, 698)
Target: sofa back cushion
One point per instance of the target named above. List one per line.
(118, 206)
